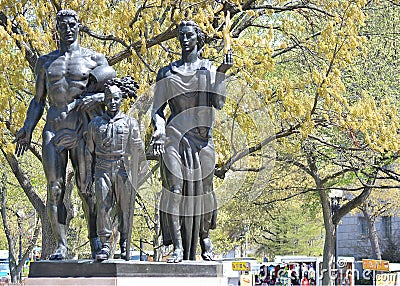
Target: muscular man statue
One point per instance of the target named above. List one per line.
(63, 76)
(114, 147)
(192, 87)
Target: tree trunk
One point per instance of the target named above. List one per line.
(328, 263)
(10, 239)
(15, 268)
(48, 241)
(372, 233)
(327, 273)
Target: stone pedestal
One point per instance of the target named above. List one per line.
(120, 273)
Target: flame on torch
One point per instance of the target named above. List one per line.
(226, 33)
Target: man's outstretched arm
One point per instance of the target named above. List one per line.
(35, 110)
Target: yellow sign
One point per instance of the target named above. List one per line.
(386, 279)
(372, 264)
(240, 266)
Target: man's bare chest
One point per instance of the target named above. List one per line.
(70, 68)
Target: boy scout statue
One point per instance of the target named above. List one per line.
(114, 148)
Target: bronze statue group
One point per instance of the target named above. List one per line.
(84, 123)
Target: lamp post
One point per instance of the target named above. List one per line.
(336, 197)
(141, 258)
(20, 216)
(245, 231)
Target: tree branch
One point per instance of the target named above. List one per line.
(25, 183)
(357, 201)
(170, 33)
(293, 7)
(110, 37)
(30, 55)
(221, 171)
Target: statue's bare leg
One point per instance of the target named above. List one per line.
(207, 159)
(173, 176)
(54, 164)
(77, 156)
(175, 226)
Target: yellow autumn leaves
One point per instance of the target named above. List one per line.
(293, 58)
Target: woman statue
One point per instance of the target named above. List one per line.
(192, 87)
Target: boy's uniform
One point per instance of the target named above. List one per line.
(112, 144)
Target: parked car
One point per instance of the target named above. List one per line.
(5, 273)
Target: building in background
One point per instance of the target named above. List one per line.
(353, 237)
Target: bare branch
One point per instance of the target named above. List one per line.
(337, 174)
(336, 146)
(357, 201)
(248, 169)
(293, 7)
(286, 198)
(110, 37)
(220, 173)
(143, 60)
(164, 36)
